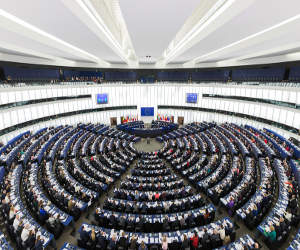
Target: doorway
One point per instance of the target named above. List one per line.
(180, 120)
(113, 121)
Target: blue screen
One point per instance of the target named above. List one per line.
(147, 111)
(102, 98)
(191, 97)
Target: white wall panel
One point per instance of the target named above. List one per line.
(153, 95)
(282, 116)
(12, 97)
(276, 114)
(253, 93)
(289, 118)
(279, 95)
(296, 120)
(269, 113)
(272, 94)
(18, 96)
(43, 93)
(296, 97)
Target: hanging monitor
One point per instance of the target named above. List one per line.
(191, 97)
(102, 98)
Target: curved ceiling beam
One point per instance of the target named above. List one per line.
(251, 40)
(15, 24)
(105, 20)
(216, 15)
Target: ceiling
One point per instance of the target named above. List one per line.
(149, 34)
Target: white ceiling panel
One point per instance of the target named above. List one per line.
(24, 42)
(222, 37)
(259, 16)
(55, 18)
(153, 24)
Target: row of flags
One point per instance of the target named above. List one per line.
(161, 117)
(129, 118)
(133, 118)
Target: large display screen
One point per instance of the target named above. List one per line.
(191, 97)
(102, 98)
(147, 111)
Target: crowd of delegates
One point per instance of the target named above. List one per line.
(277, 225)
(210, 236)
(253, 211)
(295, 244)
(55, 195)
(155, 223)
(153, 206)
(245, 189)
(245, 242)
(153, 200)
(232, 179)
(273, 163)
(19, 223)
(252, 152)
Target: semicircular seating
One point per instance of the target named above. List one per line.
(58, 177)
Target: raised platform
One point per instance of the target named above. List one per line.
(143, 146)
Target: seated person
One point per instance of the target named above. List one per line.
(195, 240)
(123, 241)
(84, 235)
(270, 233)
(112, 245)
(38, 243)
(43, 215)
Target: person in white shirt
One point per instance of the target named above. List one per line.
(7, 198)
(16, 222)
(11, 213)
(288, 216)
(222, 233)
(25, 233)
(51, 220)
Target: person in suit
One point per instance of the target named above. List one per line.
(135, 207)
(205, 239)
(113, 243)
(130, 222)
(278, 229)
(293, 204)
(133, 243)
(185, 245)
(84, 235)
(143, 246)
(123, 241)
(102, 240)
(140, 222)
(215, 236)
(255, 211)
(112, 220)
(122, 222)
(166, 224)
(30, 242)
(38, 243)
(182, 222)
